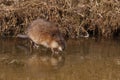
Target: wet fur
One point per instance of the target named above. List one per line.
(45, 33)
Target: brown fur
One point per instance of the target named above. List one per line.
(43, 32)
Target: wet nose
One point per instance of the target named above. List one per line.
(62, 48)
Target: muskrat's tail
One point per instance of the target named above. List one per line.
(22, 36)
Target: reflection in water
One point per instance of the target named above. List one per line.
(45, 61)
(84, 59)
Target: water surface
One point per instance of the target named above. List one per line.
(83, 59)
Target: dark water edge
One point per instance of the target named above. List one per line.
(83, 59)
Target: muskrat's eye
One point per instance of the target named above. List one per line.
(53, 35)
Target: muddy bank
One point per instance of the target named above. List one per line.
(100, 18)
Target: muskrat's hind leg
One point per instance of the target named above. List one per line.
(31, 46)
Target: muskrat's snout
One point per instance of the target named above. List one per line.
(58, 46)
(62, 46)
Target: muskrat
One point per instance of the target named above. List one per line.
(45, 33)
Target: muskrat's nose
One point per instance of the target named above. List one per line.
(60, 48)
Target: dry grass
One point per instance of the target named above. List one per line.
(100, 18)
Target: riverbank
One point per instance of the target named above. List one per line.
(99, 18)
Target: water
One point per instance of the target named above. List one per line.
(84, 59)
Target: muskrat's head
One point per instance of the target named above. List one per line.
(58, 44)
(62, 45)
